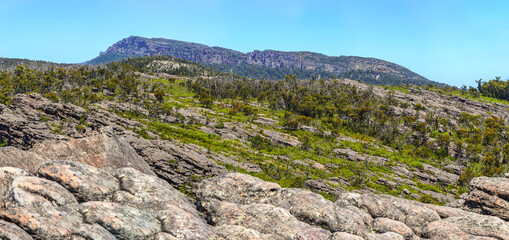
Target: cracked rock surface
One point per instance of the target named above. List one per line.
(70, 200)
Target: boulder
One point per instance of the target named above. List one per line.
(12, 231)
(383, 225)
(104, 150)
(86, 182)
(122, 221)
(184, 224)
(265, 219)
(149, 192)
(412, 213)
(234, 232)
(489, 195)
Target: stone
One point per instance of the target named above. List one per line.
(122, 221)
(321, 186)
(164, 236)
(234, 232)
(238, 188)
(149, 192)
(345, 236)
(49, 191)
(21, 159)
(384, 236)
(176, 162)
(86, 182)
(244, 189)
(12, 231)
(44, 222)
(383, 225)
(183, 224)
(413, 214)
(490, 195)
(94, 231)
(103, 150)
(265, 219)
(7, 174)
(480, 225)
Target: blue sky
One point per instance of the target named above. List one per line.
(451, 41)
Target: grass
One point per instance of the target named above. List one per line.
(317, 148)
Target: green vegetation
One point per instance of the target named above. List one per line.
(323, 114)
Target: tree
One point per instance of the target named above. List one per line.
(6, 87)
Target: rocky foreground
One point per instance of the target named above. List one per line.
(71, 200)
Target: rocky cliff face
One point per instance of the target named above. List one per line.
(268, 63)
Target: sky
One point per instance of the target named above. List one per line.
(450, 41)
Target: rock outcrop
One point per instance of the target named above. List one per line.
(488, 196)
(104, 150)
(244, 201)
(74, 200)
(71, 200)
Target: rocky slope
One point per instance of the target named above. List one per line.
(268, 63)
(71, 200)
(91, 176)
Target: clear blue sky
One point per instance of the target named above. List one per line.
(451, 41)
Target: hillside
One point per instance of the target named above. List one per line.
(267, 64)
(11, 63)
(163, 148)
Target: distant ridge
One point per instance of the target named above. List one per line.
(267, 64)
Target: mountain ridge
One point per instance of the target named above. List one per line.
(269, 64)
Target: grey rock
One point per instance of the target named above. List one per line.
(234, 232)
(321, 186)
(265, 219)
(480, 225)
(176, 162)
(87, 183)
(244, 189)
(104, 150)
(183, 224)
(21, 159)
(164, 236)
(7, 174)
(413, 214)
(42, 190)
(468, 227)
(238, 188)
(94, 231)
(384, 236)
(383, 225)
(490, 195)
(149, 192)
(12, 231)
(122, 221)
(44, 222)
(345, 236)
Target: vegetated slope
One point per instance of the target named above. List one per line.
(12, 63)
(349, 134)
(268, 64)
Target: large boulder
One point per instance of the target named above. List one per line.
(489, 195)
(104, 150)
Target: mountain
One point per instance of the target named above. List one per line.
(268, 64)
